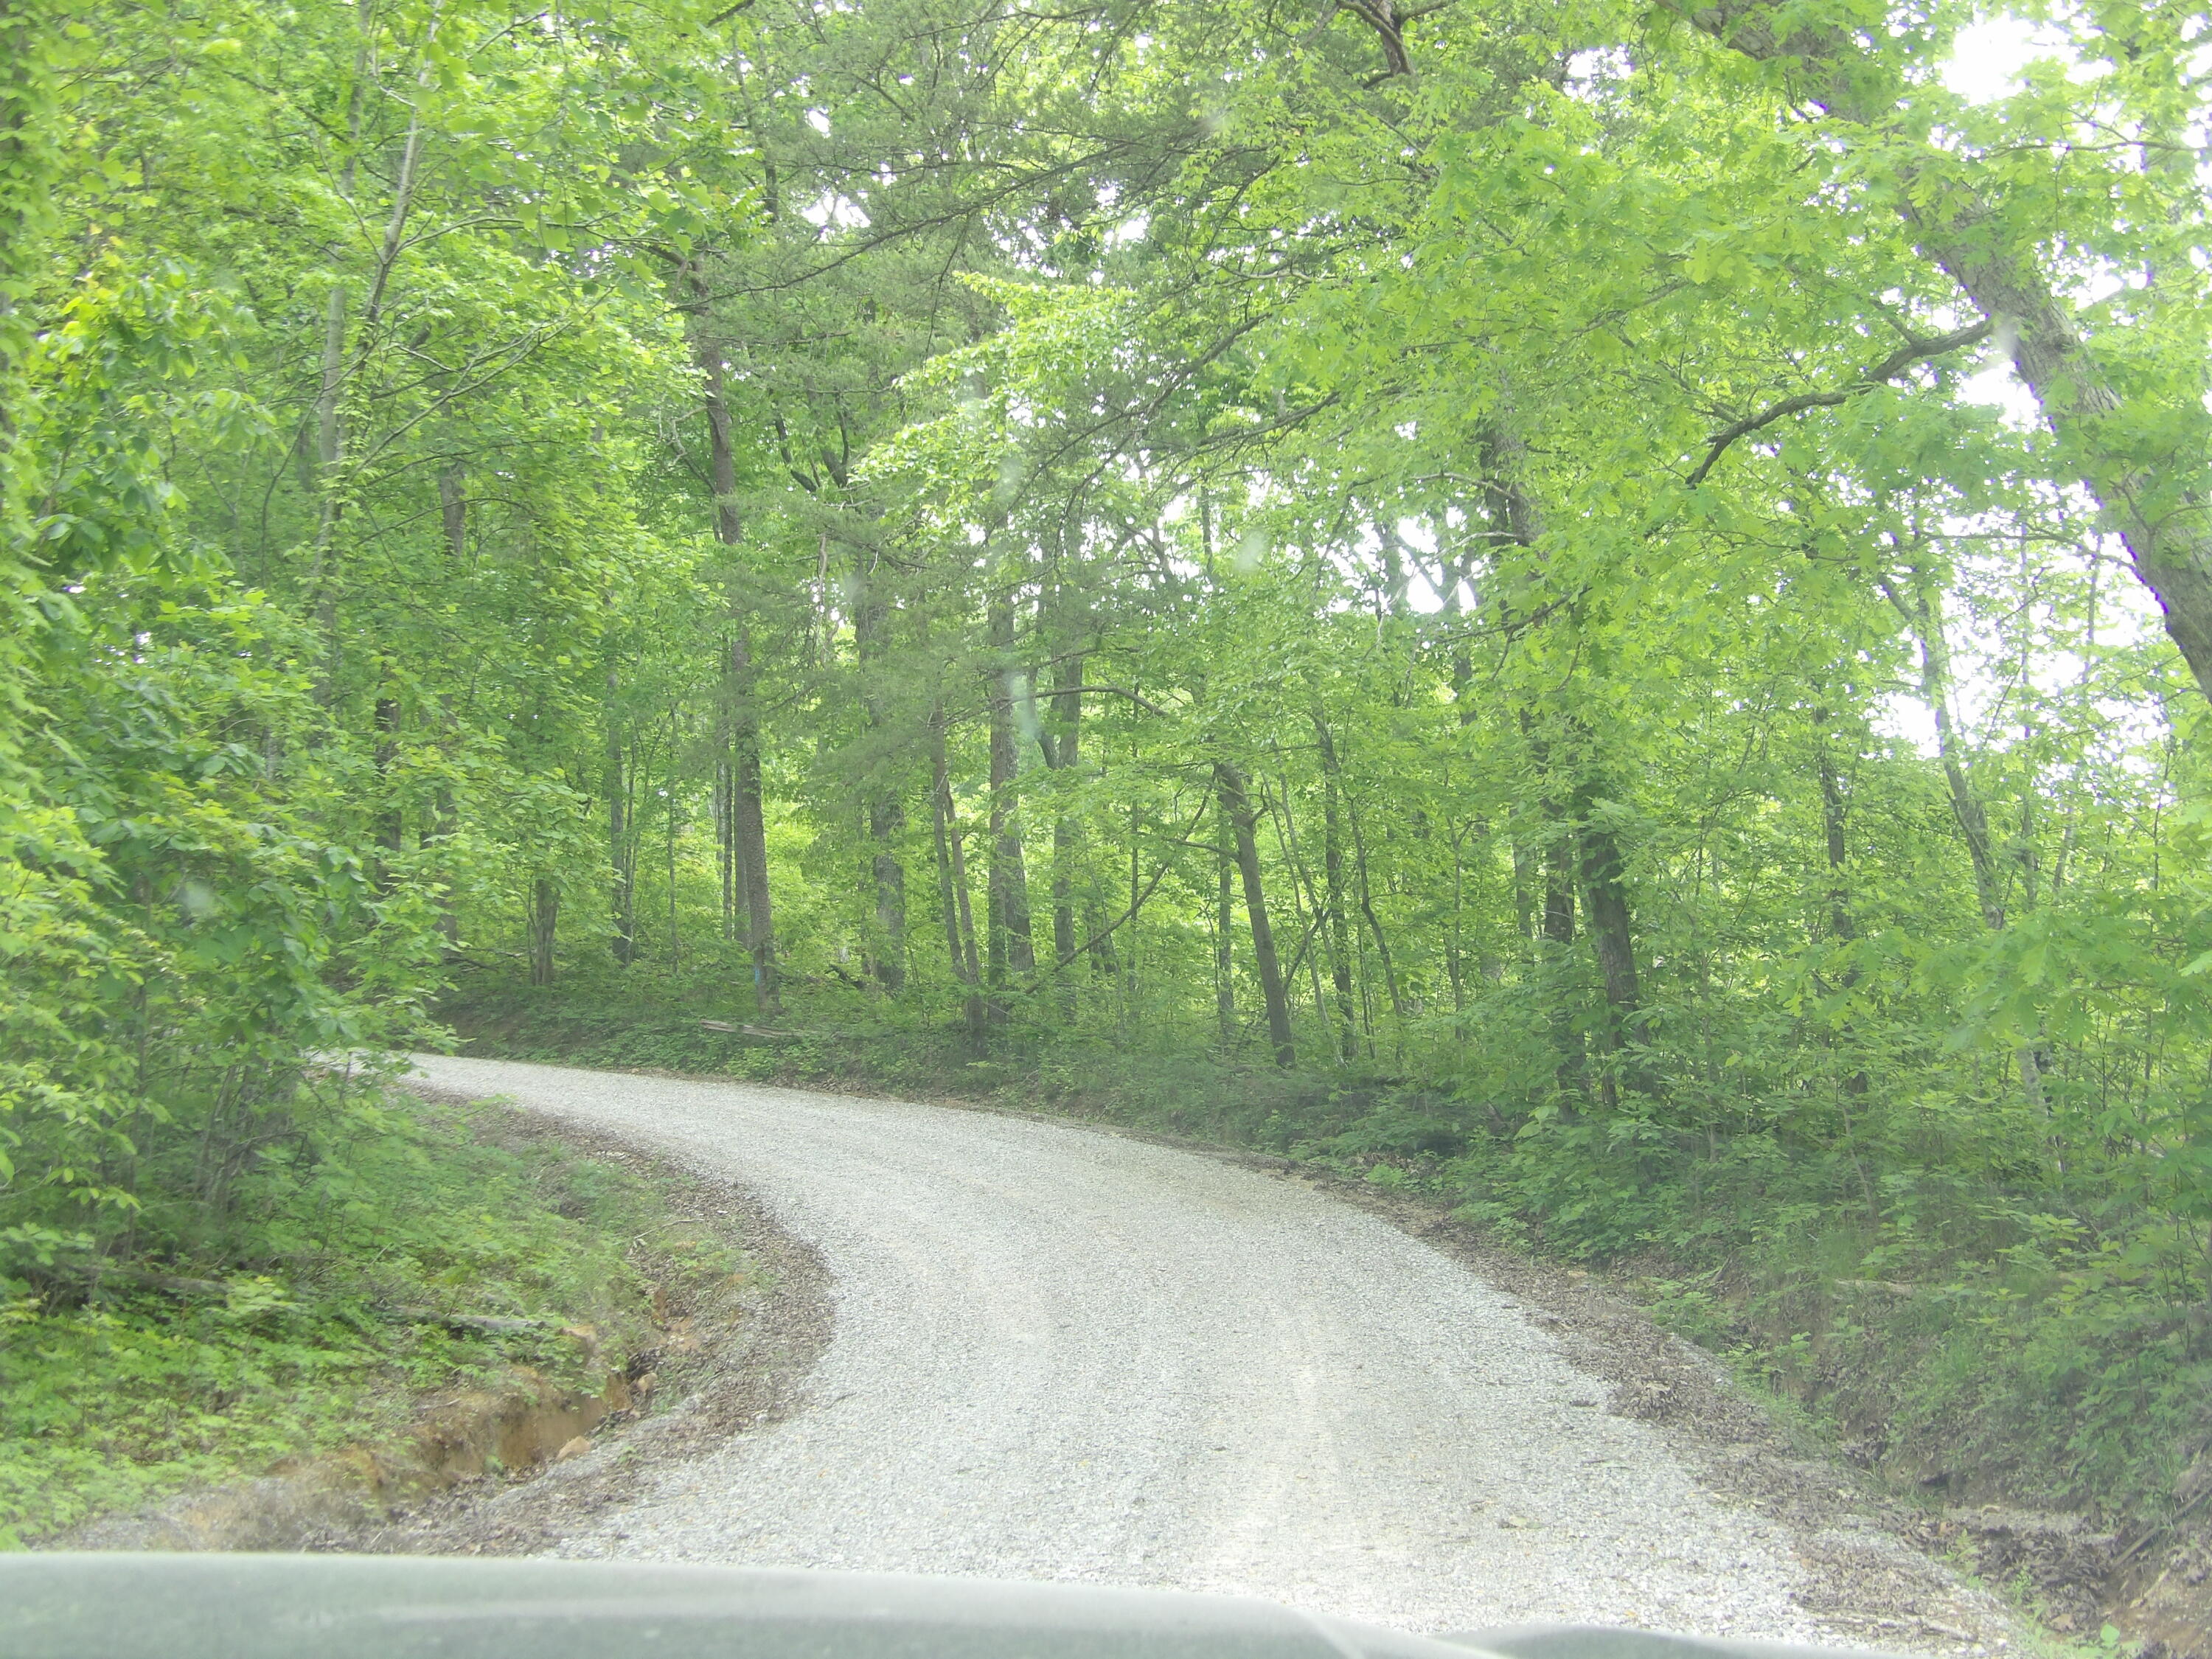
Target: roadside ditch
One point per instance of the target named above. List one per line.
(511, 1463)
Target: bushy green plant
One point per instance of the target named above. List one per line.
(337, 1263)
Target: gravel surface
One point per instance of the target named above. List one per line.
(1061, 1353)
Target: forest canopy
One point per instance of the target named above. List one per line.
(1621, 593)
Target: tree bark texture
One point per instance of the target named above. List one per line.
(453, 508)
(886, 814)
(1062, 741)
(1924, 614)
(544, 918)
(1235, 804)
(1225, 911)
(952, 885)
(1612, 929)
(1332, 864)
(741, 719)
(750, 819)
(620, 854)
(1835, 832)
(391, 818)
(1010, 947)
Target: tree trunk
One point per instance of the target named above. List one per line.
(1923, 615)
(1132, 983)
(391, 818)
(675, 933)
(2143, 464)
(1225, 911)
(1558, 885)
(2034, 1057)
(748, 819)
(1301, 894)
(1011, 947)
(444, 824)
(545, 917)
(330, 445)
(1331, 861)
(1612, 931)
(1455, 572)
(1556, 950)
(1366, 892)
(952, 884)
(1524, 892)
(1606, 904)
(330, 402)
(1840, 925)
(726, 837)
(624, 897)
(886, 820)
(1559, 940)
(1237, 806)
(453, 508)
(886, 814)
(1062, 749)
(1835, 831)
(445, 811)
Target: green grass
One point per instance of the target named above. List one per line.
(130, 1396)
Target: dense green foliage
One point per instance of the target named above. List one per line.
(325, 1338)
(1469, 560)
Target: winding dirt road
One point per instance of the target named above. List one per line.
(1062, 1353)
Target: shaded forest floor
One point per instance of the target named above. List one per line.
(457, 1300)
(2060, 1454)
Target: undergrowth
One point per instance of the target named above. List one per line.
(117, 1394)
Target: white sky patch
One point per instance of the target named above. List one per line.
(833, 211)
(1588, 71)
(1987, 57)
(1421, 596)
(1995, 384)
(1363, 563)
(1984, 66)
(1902, 717)
(1129, 231)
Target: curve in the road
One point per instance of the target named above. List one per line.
(1062, 1353)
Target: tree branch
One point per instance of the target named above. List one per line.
(1143, 702)
(1129, 914)
(1913, 351)
(1381, 16)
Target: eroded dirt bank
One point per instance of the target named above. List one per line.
(515, 1462)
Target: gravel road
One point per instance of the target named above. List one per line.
(1062, 1353)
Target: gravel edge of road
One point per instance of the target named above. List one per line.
(1867, 1578)
(752, 1372)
